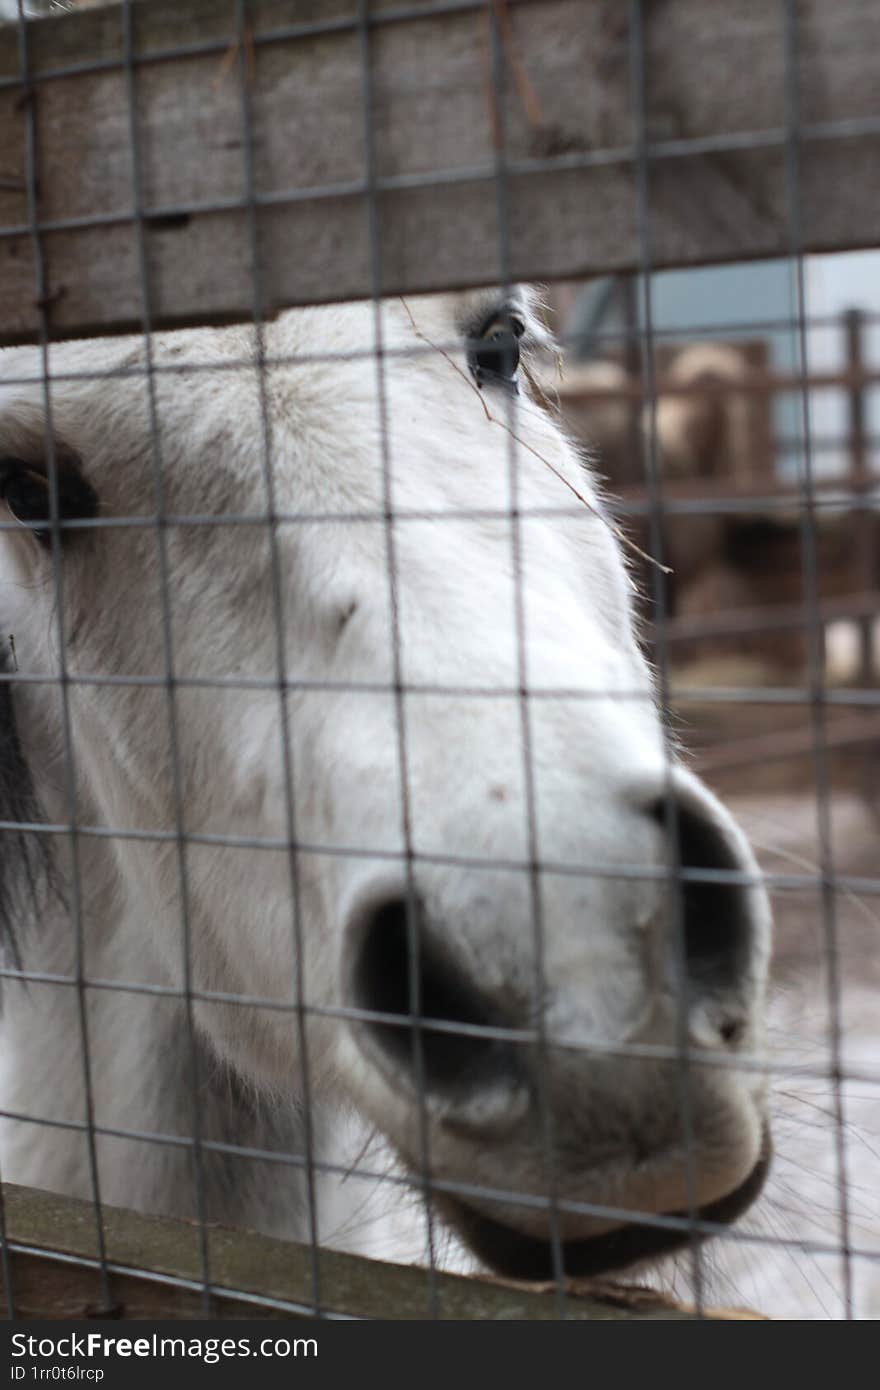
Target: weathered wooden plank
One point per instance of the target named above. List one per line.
(715, 74)
(258, 1266)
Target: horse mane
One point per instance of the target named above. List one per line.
(25, 856)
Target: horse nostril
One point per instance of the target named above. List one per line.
(383, 980)
(715, 915)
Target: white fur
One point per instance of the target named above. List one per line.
(597, 756)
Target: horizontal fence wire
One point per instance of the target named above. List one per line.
(612, 158)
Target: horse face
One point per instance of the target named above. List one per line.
(415, 751)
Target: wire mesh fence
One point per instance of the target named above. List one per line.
(356, 886)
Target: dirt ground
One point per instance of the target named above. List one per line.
(784, 1258)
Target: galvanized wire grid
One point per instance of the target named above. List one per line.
(639, 155)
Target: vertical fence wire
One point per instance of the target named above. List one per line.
(816, 675)
(158, 480)
(413, 911)
(42, 293)
(671, 821)
(6, 1258)
(539, 989)
(288, 765)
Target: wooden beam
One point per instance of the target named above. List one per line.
(762, 618)
(751, 383)
(156, 1272)
(859, 731)
(716, 123)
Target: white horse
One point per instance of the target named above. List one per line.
(264, 889)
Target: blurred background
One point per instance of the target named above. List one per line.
(760, 384)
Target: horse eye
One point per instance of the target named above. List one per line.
(26, 497)
(493, 357)
(25, 491)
